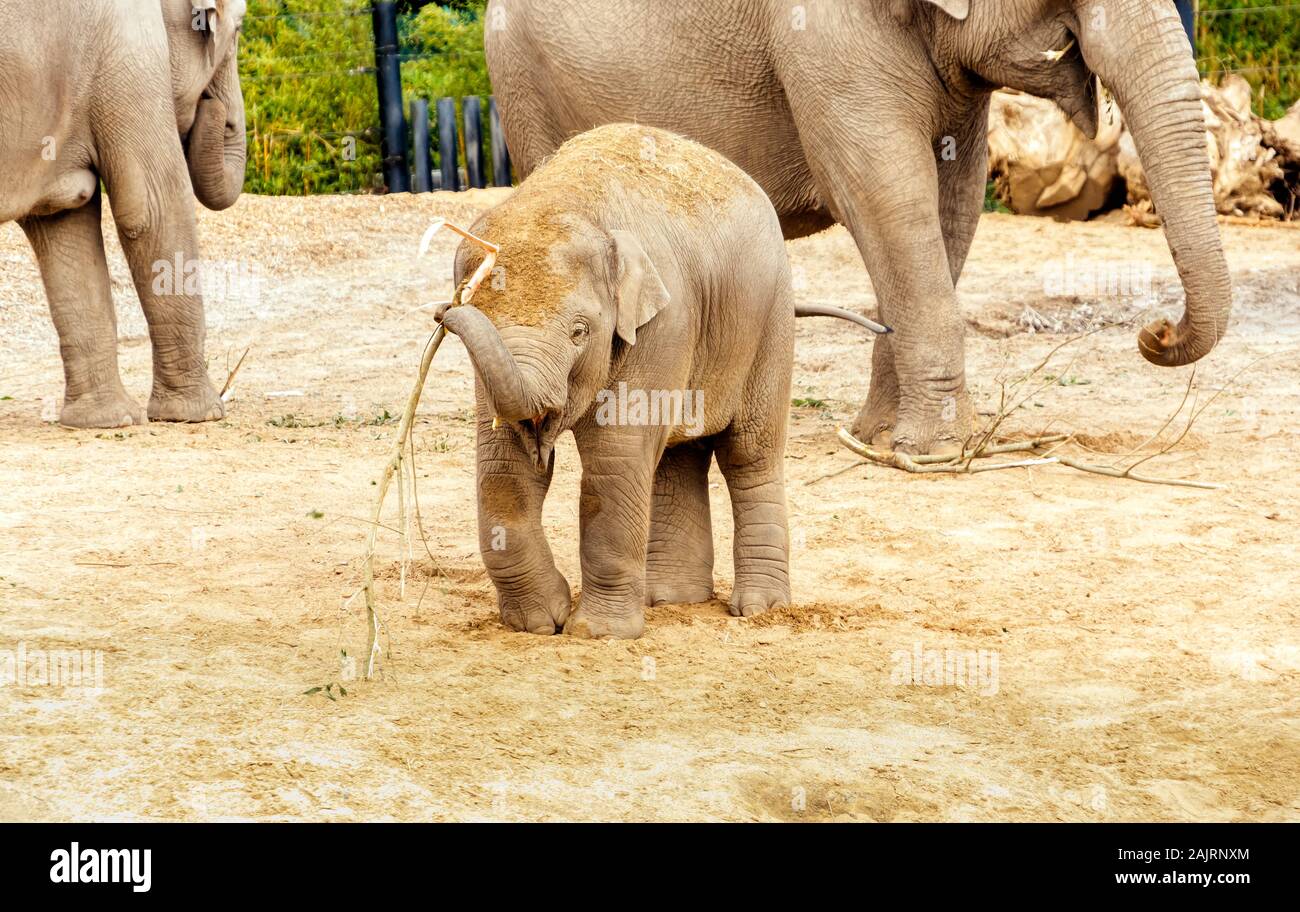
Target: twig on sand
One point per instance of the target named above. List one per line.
(394, 468)
(964, 464)
(959, 465)
(951, 465)
(1112, 472)
(122, 566)
(837, 473)
(230, 380)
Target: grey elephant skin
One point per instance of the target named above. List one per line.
(634, 267)
(874, 114)
(143, 97)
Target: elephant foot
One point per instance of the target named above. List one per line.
(934, 429)
(112, 409)
(543, 614)
(188, 405)
(665, 589)
(590, 624)
(753, 600)
(874, 426)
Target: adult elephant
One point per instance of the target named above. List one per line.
(874, 114)
(143, 97)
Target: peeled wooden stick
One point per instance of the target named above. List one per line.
(951, 465)
(485, 268)
(391, 469)
(1020, 446)
(395, 465)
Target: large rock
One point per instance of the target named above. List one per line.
(1286, 132)
(1042, 164)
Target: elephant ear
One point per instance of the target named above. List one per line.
(639, 293)
(958, 9)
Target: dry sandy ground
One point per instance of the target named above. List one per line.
(1145, 638)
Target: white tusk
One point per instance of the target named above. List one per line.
(496, 424)
(1054, 56)
(489, 261)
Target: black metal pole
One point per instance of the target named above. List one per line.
(448, 145)
(392, 119)
(474, 142)
(500, 152)
(421, 171)
(1187, 12)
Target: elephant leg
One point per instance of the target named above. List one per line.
(751, 453)
(618, 472)
(156, 227)
(895, 220)
(532, 595)
(875, 423)
(679, 557)
(753, 468)
(962, 161)
(69, 246)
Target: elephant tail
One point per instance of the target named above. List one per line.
(825, 310)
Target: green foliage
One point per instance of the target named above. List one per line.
(310, 87)
(992, 203)
(443, 57)
(312, 108)
(1260, 37)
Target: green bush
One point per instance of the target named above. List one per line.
(311, 95)
(1259, 37)
(309, 86)
(312, 109)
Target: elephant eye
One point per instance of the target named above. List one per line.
(579, 331)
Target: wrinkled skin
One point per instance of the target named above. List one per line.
(661, 299)
(874, 114)
(127, 93)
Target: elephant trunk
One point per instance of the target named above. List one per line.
(1159, 92)
(503, 381)
(218, 145)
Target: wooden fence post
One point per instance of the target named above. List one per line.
(448, 144)
(474, 142)
(421, 171)
(388, 75)
(1187, 12)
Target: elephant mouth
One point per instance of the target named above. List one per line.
(538, 435)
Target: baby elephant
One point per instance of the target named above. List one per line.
(640, 298)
